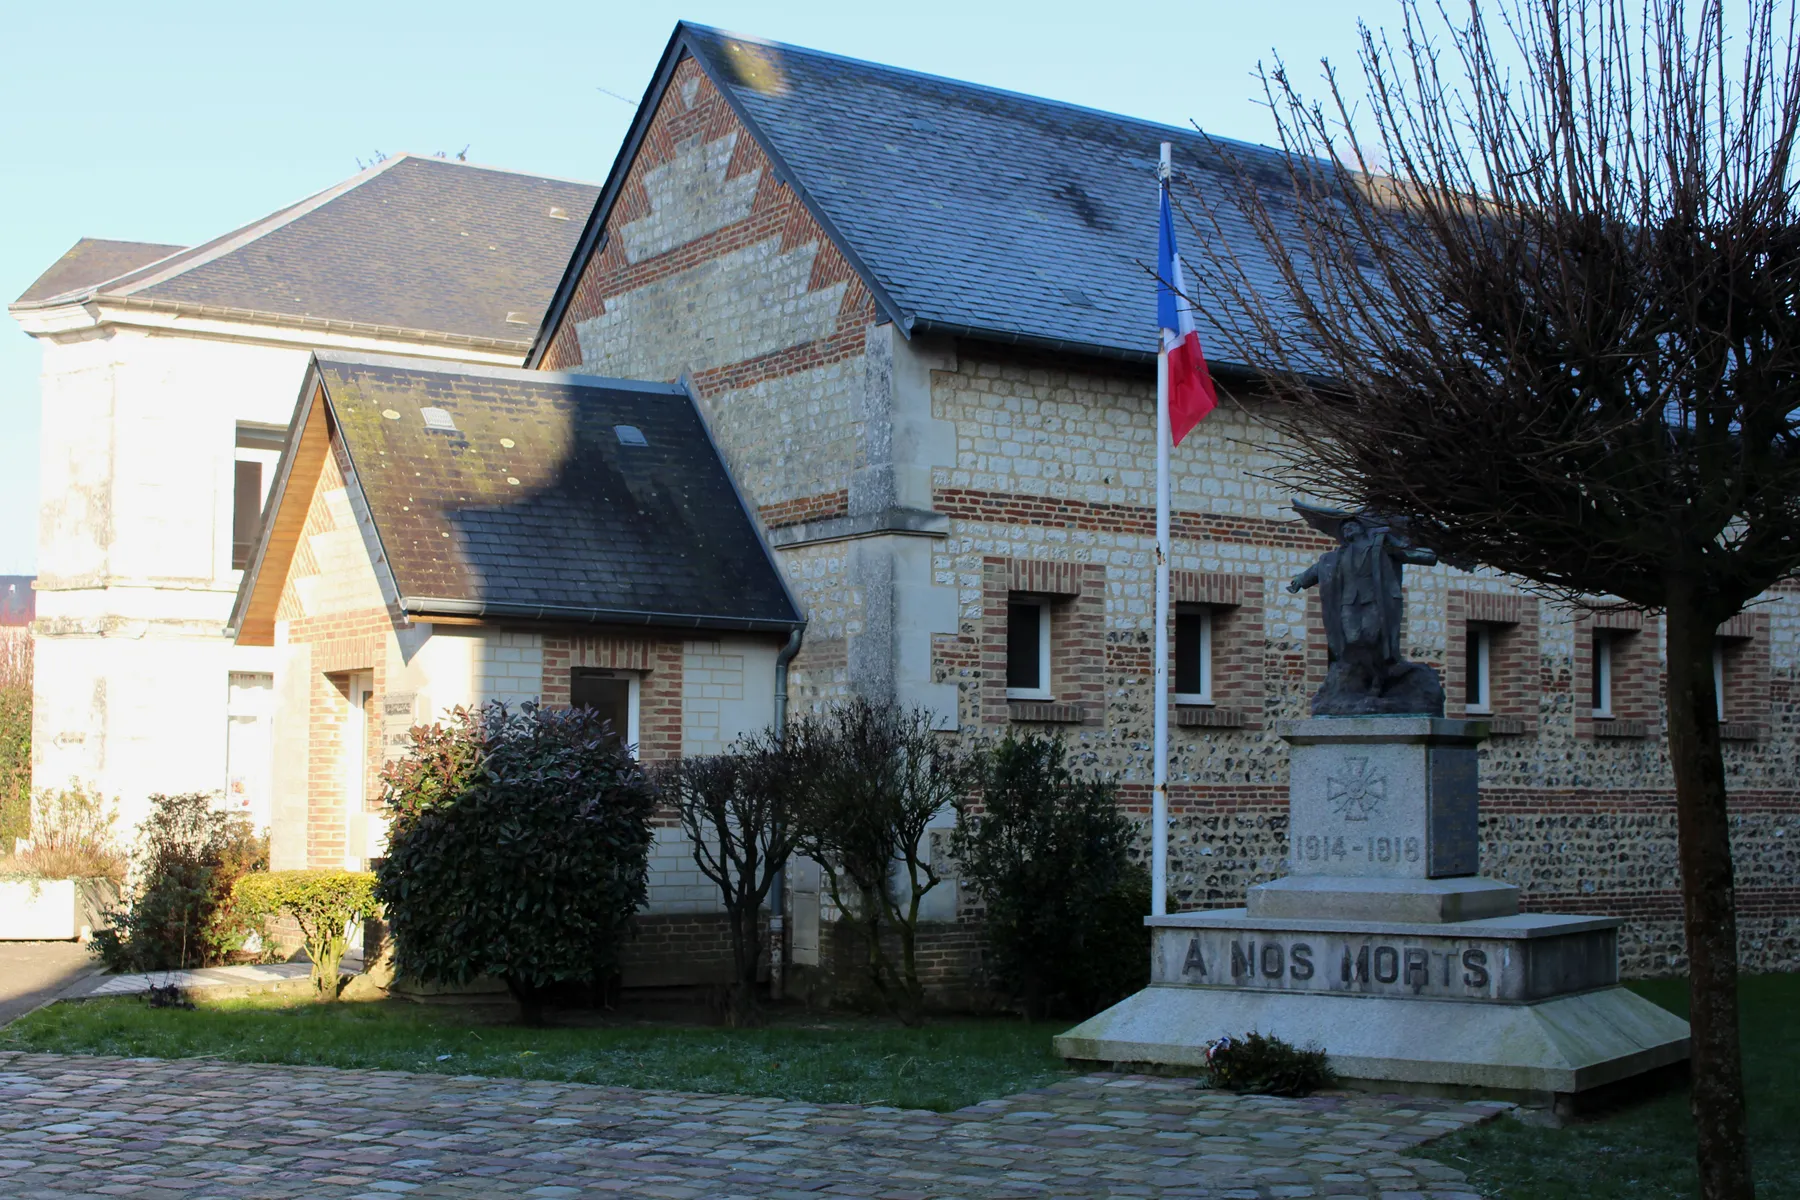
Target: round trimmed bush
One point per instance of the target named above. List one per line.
(519, 848)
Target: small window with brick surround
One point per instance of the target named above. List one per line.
(1028, 648)
(1492, 668)
(1193, 654)
(611, 694)
(1741, 677)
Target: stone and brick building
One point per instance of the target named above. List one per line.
(914, 314)
(168, 377)
(440, 537)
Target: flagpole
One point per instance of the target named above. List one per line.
(1159, 803)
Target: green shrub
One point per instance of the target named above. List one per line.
(1265, 1064)
(15, 736)
(322, 903)
(71, 837)
(1050, 857)
(518, 847)
(188, 859)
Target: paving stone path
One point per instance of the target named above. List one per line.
(149, 1128)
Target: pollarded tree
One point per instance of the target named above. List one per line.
(1559, 331)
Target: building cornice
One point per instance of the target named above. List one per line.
(238, 324)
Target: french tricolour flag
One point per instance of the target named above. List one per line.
(1191, 394)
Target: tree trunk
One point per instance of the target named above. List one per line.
(1709, 902)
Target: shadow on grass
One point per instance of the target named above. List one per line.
(1646, 1151)
(943, 1066)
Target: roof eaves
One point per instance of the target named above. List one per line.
(363, 358)
(1010, 337)
(79, 294)
(295, 321)
(425, 607)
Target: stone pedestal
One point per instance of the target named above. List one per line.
(1384, 946)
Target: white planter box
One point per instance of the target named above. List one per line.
(53, 910)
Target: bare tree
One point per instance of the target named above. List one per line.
(1558, 330)
(877, 776)
(738, 811)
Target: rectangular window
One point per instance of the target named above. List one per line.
(1719, 675)
(1027, 648)
(246, 512)
(1477, 665)
(1603, 673)
(1193, 656)
(258, 450)
(611, 694)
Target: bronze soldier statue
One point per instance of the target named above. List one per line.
(1362, 602)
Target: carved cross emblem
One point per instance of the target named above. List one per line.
(1357, 794)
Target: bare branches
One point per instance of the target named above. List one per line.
(1559, 330)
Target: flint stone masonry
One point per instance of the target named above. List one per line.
(894, 471)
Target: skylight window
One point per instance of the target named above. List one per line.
(630, 435)
(438, 419)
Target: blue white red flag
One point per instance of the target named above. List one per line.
(1191, 394)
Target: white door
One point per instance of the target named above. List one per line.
(250, 709)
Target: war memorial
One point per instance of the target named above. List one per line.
(1383, 943)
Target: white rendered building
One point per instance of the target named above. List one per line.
(169, 376)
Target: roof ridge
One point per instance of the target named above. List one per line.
(1190, 130)
(243, 235)
(480, 166)
(440, 366)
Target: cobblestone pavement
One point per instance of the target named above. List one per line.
(78, 1126)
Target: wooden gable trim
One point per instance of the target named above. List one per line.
(297, 478)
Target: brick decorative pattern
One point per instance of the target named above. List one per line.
(1515, 662)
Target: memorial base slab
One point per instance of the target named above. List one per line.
(1533, 1052)
(1384, 946)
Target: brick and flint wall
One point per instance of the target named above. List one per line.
(1053, 480)
(1012, 470)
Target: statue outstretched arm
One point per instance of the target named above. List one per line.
(1304, 579)
(1419, 556)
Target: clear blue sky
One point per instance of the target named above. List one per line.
(178, 122)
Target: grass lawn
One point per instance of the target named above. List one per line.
(1646, 1151)
(943, 1066)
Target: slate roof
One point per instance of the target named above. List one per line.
(970, 210)
(413, 243)
(93, 261)
(568, 521)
